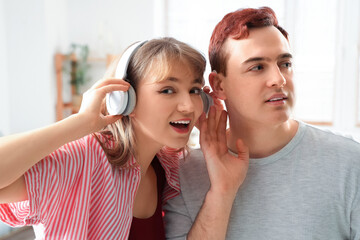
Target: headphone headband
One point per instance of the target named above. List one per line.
(119, 102)
(123, 103)
(121, 69)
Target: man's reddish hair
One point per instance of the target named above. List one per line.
(236, 25)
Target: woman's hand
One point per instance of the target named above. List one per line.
(226, 171)
(93, 100)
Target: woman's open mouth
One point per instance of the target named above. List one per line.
(181, 126)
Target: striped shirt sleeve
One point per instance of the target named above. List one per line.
(48, 183)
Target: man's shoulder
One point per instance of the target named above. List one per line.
(331, 138)
(193, 167)
(194, 160)
(333, 146)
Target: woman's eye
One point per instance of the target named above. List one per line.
(167, 91)
(257, 68)
(195, 91)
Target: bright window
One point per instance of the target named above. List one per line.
(324, 37)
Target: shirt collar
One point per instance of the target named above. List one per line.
(169, 159)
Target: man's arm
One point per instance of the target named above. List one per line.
(226, 173)
(213, 218)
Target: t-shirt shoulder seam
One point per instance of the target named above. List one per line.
(332, 133)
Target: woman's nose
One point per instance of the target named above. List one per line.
(186, 104)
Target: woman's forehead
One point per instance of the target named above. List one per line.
(168, 71)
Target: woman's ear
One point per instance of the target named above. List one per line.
(132, 114)
(216, 83)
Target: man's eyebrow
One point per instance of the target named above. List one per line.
(285, 55)
(259, 59)
(255, 59)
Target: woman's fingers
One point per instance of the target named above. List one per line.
(107, 81)
(113, 87)
(93, 98)
(100, 92)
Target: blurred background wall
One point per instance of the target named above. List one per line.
(324, 36)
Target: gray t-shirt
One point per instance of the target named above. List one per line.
(310, 189)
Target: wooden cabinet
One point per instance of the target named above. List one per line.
(61, 105)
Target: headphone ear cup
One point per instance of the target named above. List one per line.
(131, 102)
(118, 102)
(207, 101)
(121, 103)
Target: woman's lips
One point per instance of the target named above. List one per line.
(181, 126)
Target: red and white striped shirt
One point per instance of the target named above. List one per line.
(75, 193)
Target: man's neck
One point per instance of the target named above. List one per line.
(262, 140)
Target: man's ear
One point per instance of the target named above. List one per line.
(216, 83)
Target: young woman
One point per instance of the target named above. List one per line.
(99, 176)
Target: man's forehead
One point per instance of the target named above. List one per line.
(261, 42)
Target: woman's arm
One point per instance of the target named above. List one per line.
(20, 152)
(15, 192)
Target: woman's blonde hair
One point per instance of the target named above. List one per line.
(157, 57)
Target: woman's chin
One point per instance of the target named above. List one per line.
(177, 145)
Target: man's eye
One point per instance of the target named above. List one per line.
(286, 65)
(167, 91)
(257, 68)
(195, 90)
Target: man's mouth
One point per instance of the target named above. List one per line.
(277, 99)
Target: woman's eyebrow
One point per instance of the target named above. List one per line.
(174, 79)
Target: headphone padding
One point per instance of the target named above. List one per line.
(207, 101)
(131, 101)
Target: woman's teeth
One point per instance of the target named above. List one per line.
(180, 124)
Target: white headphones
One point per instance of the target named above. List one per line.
(123, 103)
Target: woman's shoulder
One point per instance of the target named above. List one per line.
(89, 147)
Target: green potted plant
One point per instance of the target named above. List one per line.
(79, 66)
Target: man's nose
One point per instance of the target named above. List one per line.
(276, 79)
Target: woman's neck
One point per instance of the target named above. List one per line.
(145, 150)
(262, 140)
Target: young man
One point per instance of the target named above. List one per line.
(302, 182)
